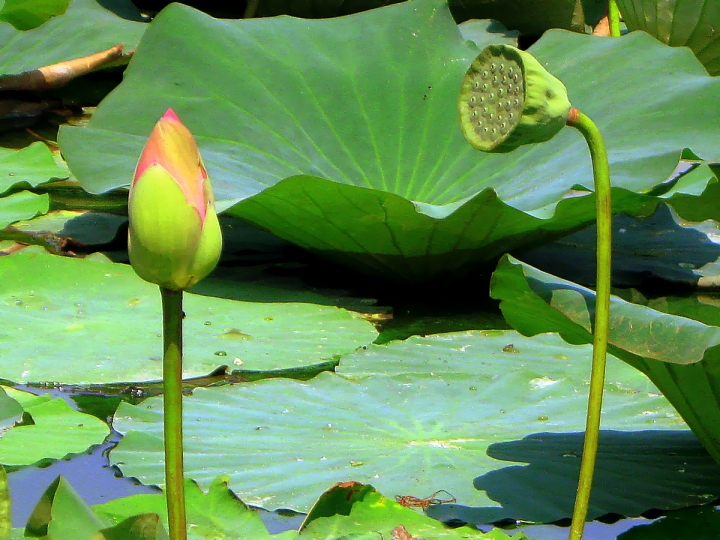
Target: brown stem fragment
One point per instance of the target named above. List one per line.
(56, 75)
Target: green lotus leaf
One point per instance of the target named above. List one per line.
(369, 511)
(690, 23)
(27, 14)
(450, 404)
(138, 527)
(61, 513)
(29, 167)
(87, 27)
(679, 354)
(22, 169)
(83, 321)
(215, 514)
(359, 155)
(23, 205)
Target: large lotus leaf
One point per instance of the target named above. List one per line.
(680, 355)
(54, 431)
(350, 146)
(691, 23)
(27, 14)
(83, 321)
(87, 27)
(430, 424)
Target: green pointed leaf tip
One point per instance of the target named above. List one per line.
(174, 238)
(62, 514)
(215, 514)
(508, 99)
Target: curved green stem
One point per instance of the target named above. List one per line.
(601, 174)
(172, 407)
(614, 18)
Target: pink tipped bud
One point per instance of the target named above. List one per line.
(175, 237)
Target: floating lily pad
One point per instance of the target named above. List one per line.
(82, 321)
(429, 423)
(33, 165)
(52, 431)
(23, 205)
(87, 27)
(22, 169)
(350, 146)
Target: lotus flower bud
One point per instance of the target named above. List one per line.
(174, 239)
(508, 99)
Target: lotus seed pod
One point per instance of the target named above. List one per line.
(508, 99)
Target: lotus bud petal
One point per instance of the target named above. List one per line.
(509, 99)
(174, 238)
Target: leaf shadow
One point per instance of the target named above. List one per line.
(636, 471)
(645, 250)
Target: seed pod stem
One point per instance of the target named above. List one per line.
(601, 175)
